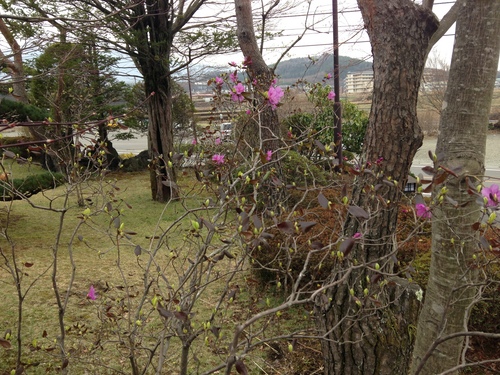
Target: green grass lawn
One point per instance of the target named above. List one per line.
(98, 244)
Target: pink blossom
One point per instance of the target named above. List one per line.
(194, 142)
(328, 76)
(274, 95)
(357, 235)
(269, 155)
(92, 294)
(218, 158)
(247, 61)
(248, 112)
(423, 211)
(331, 95)
(234, 76)
(218, 141)
(236, 95)
(219, 81)
(492, 194)
(232, 63)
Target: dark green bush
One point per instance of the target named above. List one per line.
(16, 111)
(19, 188)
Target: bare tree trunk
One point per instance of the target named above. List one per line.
(461, 147)
(154, 41)
(261, 74)
(369, 339)
(14, 66)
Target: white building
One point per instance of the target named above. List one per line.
(359, 82)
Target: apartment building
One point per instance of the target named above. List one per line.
(359, 82)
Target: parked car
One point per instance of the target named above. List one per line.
(226, 129)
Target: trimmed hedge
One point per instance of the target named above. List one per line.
(19, 188)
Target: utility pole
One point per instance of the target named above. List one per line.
(337, 120)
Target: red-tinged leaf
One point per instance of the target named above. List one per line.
(429, 170)
(240, 367)
(286, 227)
(347, 245)
(358, 212)
(431, 155)
(316, 245)
(247, 234)
(323, 201)
(306, 226)
(65, 364)
(28, 264)
(276, 181)
(319, 145)
(353, 171)
(266, 235)
(165, 313)
(257, 223)
(137, 250)
(440, 178)
(181, 315)
(228, 254)
(152, 237)
(344, 190)
(369, 171)
(449, 171)
(9, 154)
(117, 222)
(428, 189)
(484, 243)
(215, 331)
(5, 343)
(376, 278)
(44, 334)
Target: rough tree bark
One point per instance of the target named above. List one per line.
(154, 38)
(15, 65)
(369, 339)
(461, 147)
(265, 134)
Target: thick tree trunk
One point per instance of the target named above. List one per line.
(461, 147)
(154, 33)
(161, 138)
(369, 338)
(265, 133)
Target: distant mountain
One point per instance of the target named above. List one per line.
(314, 69)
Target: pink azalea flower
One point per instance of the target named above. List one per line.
(219, 81)
(218, 141)
(247, 61)
(234, 76)
(248, 112)
(328, 76)
(92, 294)
(331, 95)
(218, 158)
(236, 95)
(492, 194)
(274, 95)
(357, 235)
(232, 63)
(423, 211)
(269, 155)
(193, 142)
